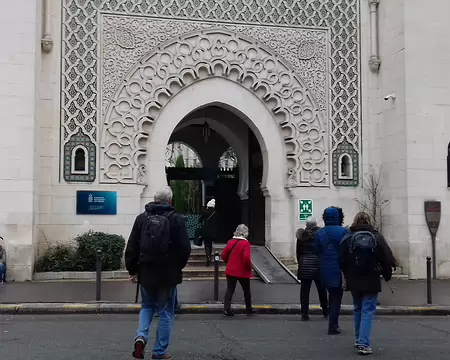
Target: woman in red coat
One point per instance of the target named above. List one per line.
(237, 255)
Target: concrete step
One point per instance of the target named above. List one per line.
(202, 262)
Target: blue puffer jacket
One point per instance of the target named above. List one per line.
(326, 246)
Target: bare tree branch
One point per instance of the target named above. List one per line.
(373, 202)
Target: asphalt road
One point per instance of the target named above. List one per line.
(211, 337)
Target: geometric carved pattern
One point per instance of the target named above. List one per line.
(79, 139)
(345, 148)
(81, 49)
(194, 56)
(126, 39)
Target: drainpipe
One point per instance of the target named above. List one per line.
(46, 41)
(374, 61)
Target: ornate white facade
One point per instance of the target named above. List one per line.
(94, 90)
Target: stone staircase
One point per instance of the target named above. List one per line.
(196, 268)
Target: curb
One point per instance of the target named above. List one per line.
(216, 308)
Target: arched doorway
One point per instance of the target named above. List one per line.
(217, 67)
(233, 180)
(251, 111)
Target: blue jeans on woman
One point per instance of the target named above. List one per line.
(364, 308)
(154, 301)
(2, 272)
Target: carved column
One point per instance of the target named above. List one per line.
(374, 61)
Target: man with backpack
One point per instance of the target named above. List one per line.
(157, 251)
(364, 255)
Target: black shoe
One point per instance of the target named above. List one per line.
(305, 317)
(334, 331)
(228, 313)
(139, 348)
(250, 312)
(325, 312)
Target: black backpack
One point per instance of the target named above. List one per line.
(363, 252)
(155, 242)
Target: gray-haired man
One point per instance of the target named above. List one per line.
(157, 251)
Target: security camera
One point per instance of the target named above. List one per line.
(387, 97)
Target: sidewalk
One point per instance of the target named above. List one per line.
(407, 293)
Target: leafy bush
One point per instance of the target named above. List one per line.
(112, 247)
(58, 258)
(82, 257)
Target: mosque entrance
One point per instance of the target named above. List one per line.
(215, 155)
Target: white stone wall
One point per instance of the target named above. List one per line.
(19, 99)
(408, 135)
(388, 125)
(57, 221)
(427, 89)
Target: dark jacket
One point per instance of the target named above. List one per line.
(170, 274)
(370, 284)
(209, 224)
(2, 255)
(326, 246)
(308, 261)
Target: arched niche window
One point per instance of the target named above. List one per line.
(345, 167)
(448, 165)
(80, 160)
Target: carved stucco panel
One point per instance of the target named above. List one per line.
(126, 39)
(176, 63)
(81, 70)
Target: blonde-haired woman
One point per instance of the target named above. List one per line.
(237, 255)
(364, 255)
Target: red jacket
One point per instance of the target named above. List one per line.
(239, 262)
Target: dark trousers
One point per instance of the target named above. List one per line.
(305, 289)
(334, 309)
(231, 287)
(208, 250)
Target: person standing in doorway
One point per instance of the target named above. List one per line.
(326, 246)
(2, 262)
(237, 255)
(308, 269)
(209, 229)
(157, 251)
(364, 256)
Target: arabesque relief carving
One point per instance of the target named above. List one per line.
(160, 74)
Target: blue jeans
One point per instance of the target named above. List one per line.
(155, 301)
(2, 272)
(334, 307)
(364, 307)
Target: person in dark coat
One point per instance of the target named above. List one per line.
(209, 228)
(326, 246)
(308, 269)
(158, 282)
(365, 287)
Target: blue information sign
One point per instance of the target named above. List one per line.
(96, 202)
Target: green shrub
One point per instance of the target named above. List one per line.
(112, 247)
(82, 257)
(61, 257)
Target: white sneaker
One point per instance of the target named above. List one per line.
(365, 350)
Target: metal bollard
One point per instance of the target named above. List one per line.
(429, 294)
(98, 291)
(216, 276)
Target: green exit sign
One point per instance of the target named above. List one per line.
(305, 209)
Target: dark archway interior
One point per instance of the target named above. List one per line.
(220, 184)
